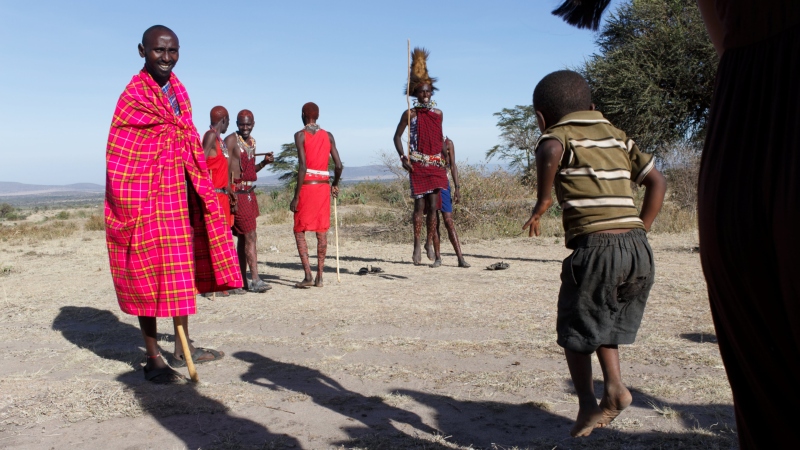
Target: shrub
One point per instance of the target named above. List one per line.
(96, 222)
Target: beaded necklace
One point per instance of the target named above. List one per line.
(250, 150)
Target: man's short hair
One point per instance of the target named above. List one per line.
(311, 111)
(218, 113)
(561, 93)
(244, 113)
(153, 29)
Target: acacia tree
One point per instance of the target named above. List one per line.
(518, 132)
(654, 75)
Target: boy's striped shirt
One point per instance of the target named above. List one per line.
(593, 181)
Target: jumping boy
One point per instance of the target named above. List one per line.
(607, 278)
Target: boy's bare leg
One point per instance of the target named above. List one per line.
(580, 369)
(322, 249)
(419, 207)
(302, 249)
(616, 397)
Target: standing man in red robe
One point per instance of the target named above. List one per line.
(217, 161)
(312, 195)
(165, 230)
(243, 171)
(426, 165)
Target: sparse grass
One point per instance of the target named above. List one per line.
(29, 232)
(62, 215)
(8, 212)
(96, 222)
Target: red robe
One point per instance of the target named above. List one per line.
(314, 205)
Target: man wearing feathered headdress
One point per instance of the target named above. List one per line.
(425, 162)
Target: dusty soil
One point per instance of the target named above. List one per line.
(414, 357)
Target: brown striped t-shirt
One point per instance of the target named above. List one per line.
(593, 181)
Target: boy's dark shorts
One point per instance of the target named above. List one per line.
(604, 287)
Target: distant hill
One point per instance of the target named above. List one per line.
(12, 189)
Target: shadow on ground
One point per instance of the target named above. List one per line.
(199, 421)
(475, 424)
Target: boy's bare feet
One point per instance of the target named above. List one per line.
(588, 416)
(318, 281)
(615, 400)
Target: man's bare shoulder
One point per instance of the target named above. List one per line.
(549, 147)
(437, 111)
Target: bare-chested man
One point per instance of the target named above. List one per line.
(243, 169)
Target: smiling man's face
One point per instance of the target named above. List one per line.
(160, 53)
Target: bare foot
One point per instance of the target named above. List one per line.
(307, 282)
(318, 282)
(586, 421)
(416, 257)
(437, 263)
(614, 401)
(463, 263)
(431, 253)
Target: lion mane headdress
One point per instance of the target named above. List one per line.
(419, 71)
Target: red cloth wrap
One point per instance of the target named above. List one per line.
(244, 221)
(314, 205)
(429, 142)
(218, 167)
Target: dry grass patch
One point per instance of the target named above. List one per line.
(96, 222)
(29, 232)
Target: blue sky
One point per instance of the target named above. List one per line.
(65, 64)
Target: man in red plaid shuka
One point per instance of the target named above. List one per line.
(243, 169)
(165, 229)
(426, 165)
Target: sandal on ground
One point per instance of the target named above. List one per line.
(498, 266)
(238, 291)
(197, 353)
(363, 271)
(375, 269)
(164, 375)
(259, 287)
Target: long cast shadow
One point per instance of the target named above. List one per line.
(372, 413)
(497, 425)
(511, 258)
(210, 423)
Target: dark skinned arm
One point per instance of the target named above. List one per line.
(234, 161)
(398, 140)
(210, 144)
(337, 167)
(451, 159)
(269, 158)
(655, 188)
(548, 157)
(300, 143)
(713, 25)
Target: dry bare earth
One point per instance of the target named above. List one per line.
(414, 358)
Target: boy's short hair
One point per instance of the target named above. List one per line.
(560, 93)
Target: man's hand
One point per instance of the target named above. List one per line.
(456, 196)
(268, 159)
(406, 164)
(293, 205)
(335, 191)
(534, 224)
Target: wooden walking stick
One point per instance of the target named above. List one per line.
(187, 354)
(408, 102)
(336, 234)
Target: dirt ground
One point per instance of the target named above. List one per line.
(413, 358)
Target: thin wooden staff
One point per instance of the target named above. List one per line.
(336, 233)
(261, 154)
(408, 100)
(187, 354)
